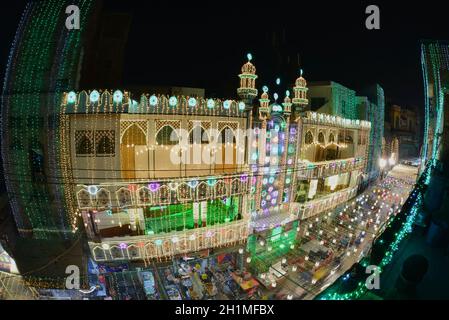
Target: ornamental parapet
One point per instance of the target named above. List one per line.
(175, 243)
(316, 170)
(160, 192)
(94, 101)
(330, 120)
(323, 204)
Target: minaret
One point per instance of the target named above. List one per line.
(264, 109)
(287, 104)
(300, 99)
(247, 91)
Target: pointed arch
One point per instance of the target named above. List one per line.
(226, 135)
(134, 135)
(321, 139)
(184, 192)
(144, 195)
(83, 198)
(308, 139)
(99, 253)
(220, 189)
(167, 136)
(164, 194)
(103, 198)
(133, 140)
(202, 191)
(198, 135)
(124, 197)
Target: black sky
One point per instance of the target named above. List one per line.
(204, 44)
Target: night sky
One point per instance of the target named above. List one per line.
(205, 44)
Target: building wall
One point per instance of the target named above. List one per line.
(338, 100)
(137, 149)
(376, 116)
(323, 184)
(120, 163)
(434, 59)
(404, 127)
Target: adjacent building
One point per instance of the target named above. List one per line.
(332, 98)
(435, 65)
(404, 128)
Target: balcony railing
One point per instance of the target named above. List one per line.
(329, 202)
(315, 170)
(163, 246)
(160, 192)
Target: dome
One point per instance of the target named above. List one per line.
(301, 82)
(287, 99)
(249, 68)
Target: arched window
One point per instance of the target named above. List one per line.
(167, 136)
(331, 138)
(105, 146)
(85, 146)
(227, 136)
(203, 191)
(198, 136)
(308, 138)
(321, 138)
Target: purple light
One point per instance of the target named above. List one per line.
(244, 178)
(290, 161)
(273, 202)
(123, 245)
(154, 186)
(209, 234)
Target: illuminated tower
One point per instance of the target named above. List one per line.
(260, 141)
(247, 90)
(286, 161)
(264, 109)
(300, 90)
(287, 104)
